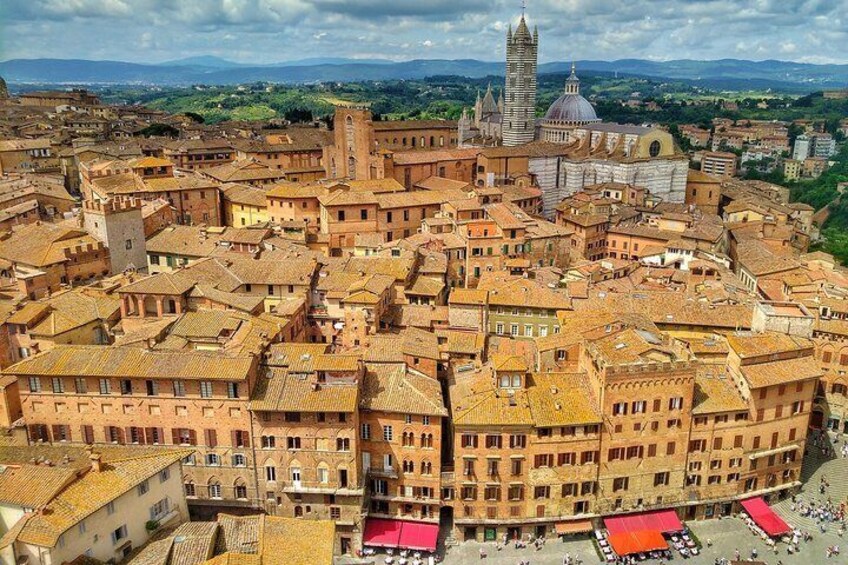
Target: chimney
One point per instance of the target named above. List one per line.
(96, 461)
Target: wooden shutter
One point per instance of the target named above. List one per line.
(192, 434)
(175, 436)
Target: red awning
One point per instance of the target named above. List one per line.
(418, 535)
(663, 521)
(765, 517)
(380, 532)
(637, 541)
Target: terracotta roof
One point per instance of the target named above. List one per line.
(715, 392)
(521, 292)
(780, 372)
(131, 362)
(244, 194)
(245, 170)
(93, 491)
(286, 391)
(41, 244)
(562, 399)
(393, 388)
(187, 241)
(748, 345)
(32, 486)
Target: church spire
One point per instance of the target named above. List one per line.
(572, 83)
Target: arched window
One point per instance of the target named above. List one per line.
(270, 471)
(240, 489)
(426, 468)
(432, 141)
(408, 466)
(214, 489)
(298, 511)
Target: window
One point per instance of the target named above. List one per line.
(105, 386)
(110, 508)
(215, 490)
(232, 390)
(517, 441)
(425, 420)
(270, 473)
(655, 148)
(619, 409)
(388, 433)
(342, 444)
(58, 385)
(159, 510)
(620, 483)
(179, 388)
(365, 431)
(206, 389)
(541, 492)
(34, 384)
(544, 460)
(293, 443)
(213, 459)
(126, 386)
(675, 403)
(239, 460)
(119, 533)
(268, 442)
(189, 489)
(493, 442)
(661, 479)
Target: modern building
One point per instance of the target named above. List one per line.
(720, 164)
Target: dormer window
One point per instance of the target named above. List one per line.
(509, 381)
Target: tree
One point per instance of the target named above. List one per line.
(298, 115)
(195, 117)
(160, 130)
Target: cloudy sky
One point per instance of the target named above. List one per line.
(268, 31)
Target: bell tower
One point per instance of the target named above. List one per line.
(519, 115)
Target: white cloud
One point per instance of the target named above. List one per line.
(267, 31)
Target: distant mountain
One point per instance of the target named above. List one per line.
(331, 61)
(214, 70)
(208, 61)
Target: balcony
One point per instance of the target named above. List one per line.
(303, 487)
(383, 472)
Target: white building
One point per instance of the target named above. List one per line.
(74, 502)
(824, 146)
(803, 148)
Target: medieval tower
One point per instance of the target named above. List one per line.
(519, 114)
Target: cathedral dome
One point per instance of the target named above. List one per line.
(571, 109)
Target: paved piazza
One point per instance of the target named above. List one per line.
(727, 534)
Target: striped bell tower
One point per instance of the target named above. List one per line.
(519, 115)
